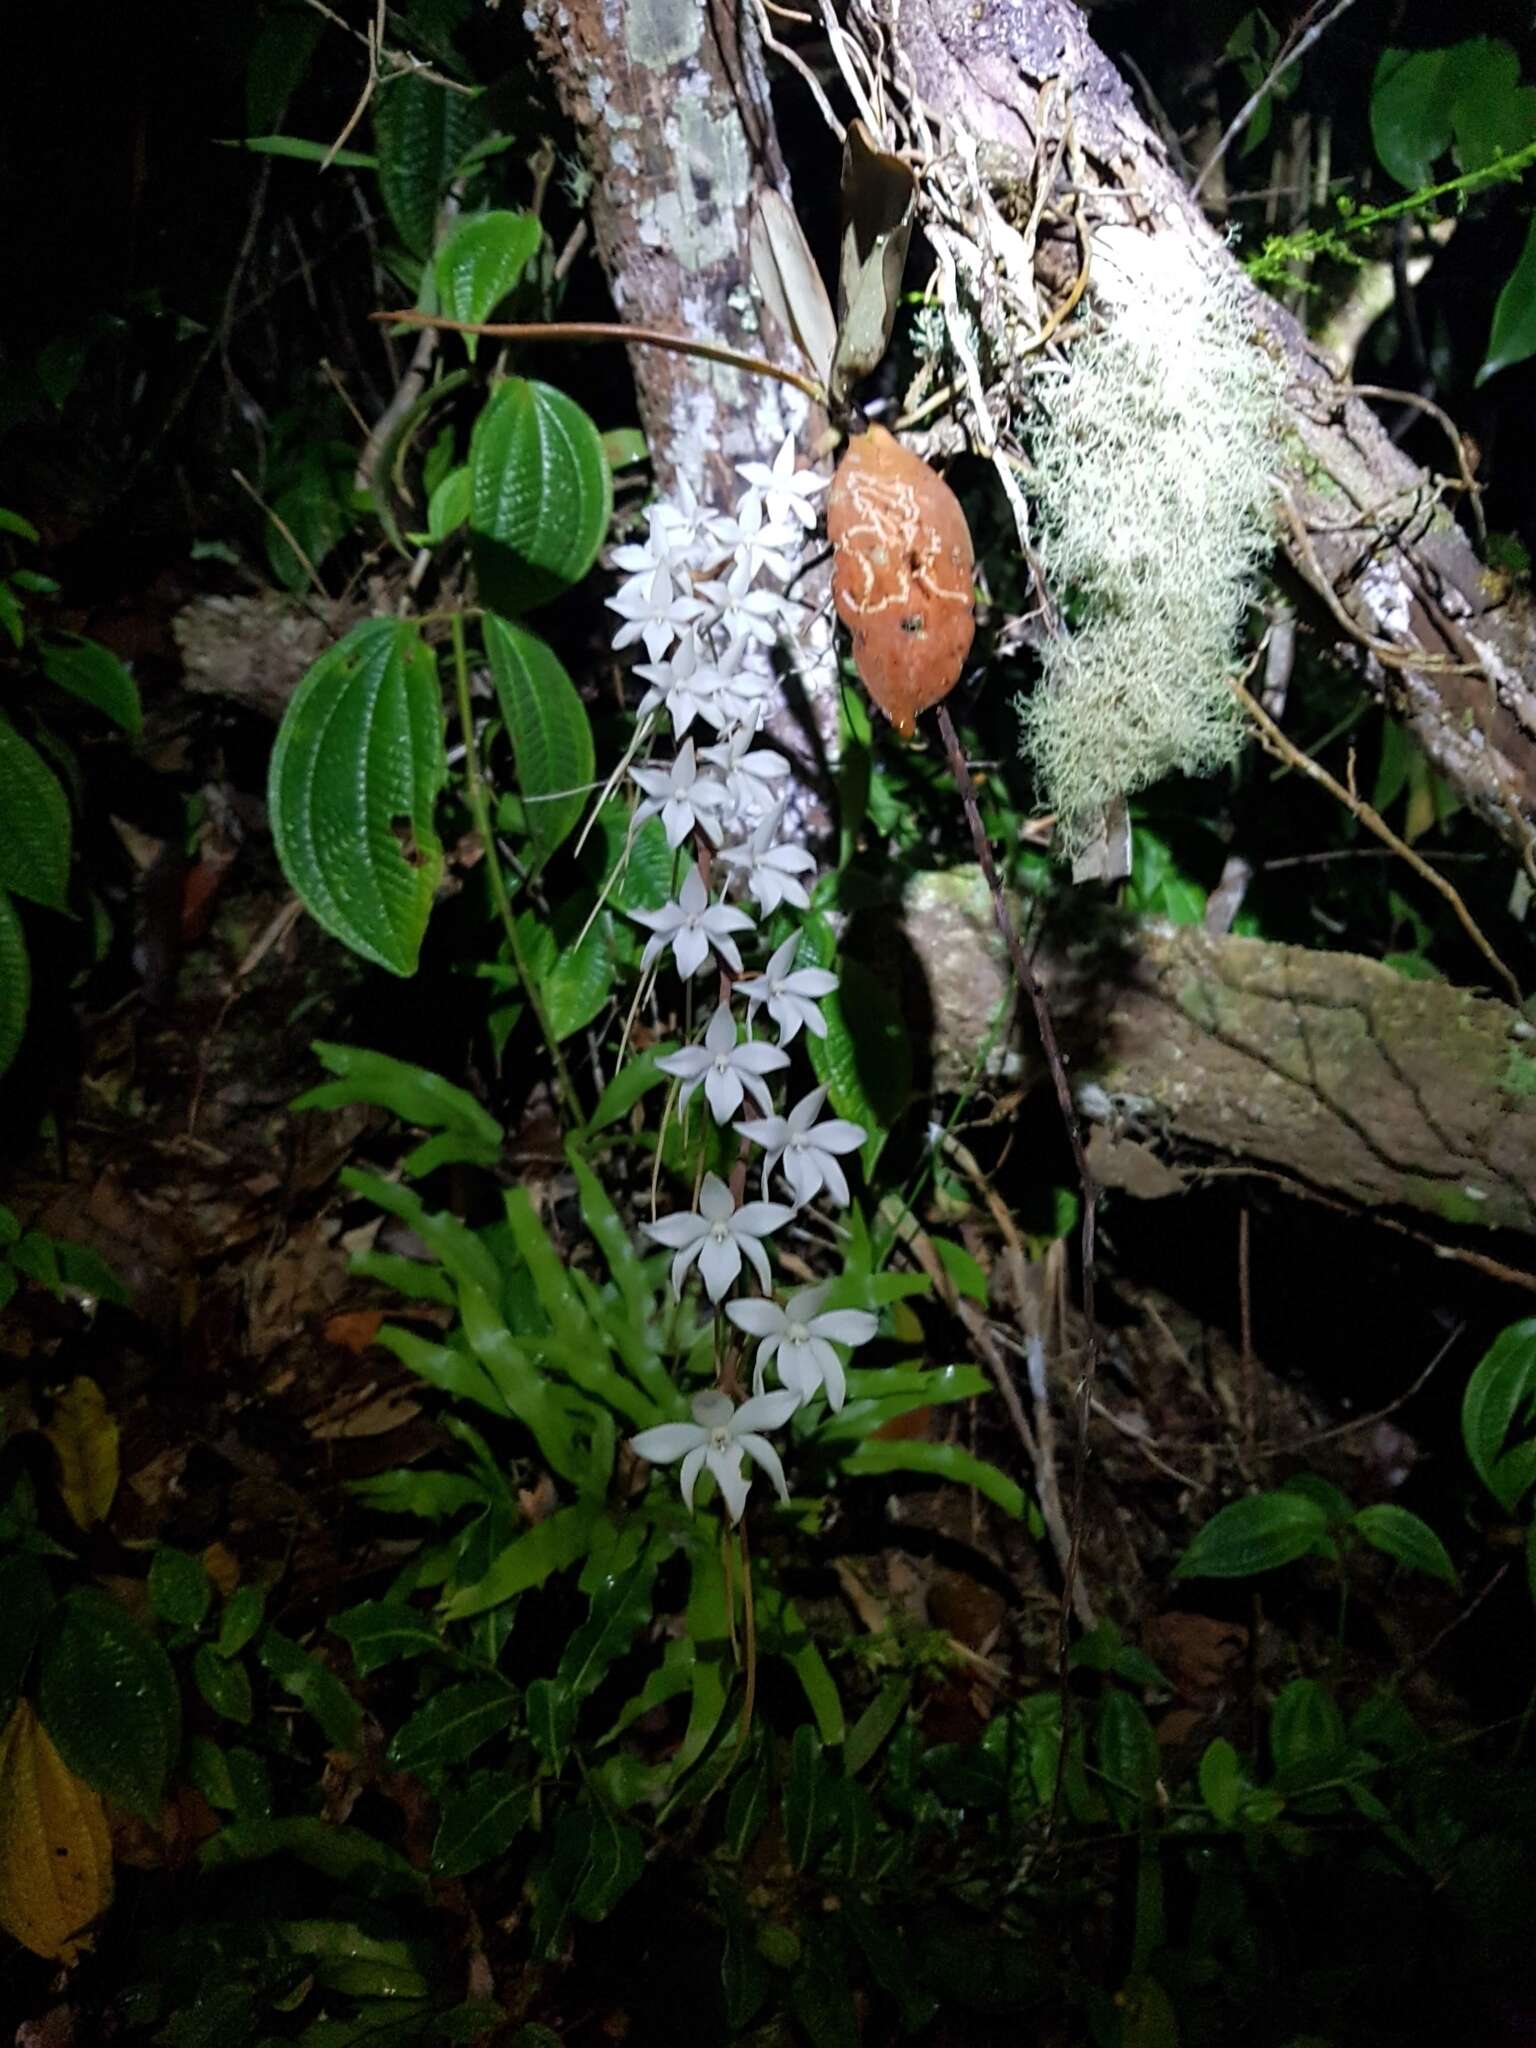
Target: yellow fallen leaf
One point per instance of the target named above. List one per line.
(85, 1438)
(55, 1853)
(223, 1567)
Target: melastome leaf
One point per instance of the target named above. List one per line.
(548, 726)
(540, 495)
(355, 773)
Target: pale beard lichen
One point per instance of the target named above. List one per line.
(1153, 453)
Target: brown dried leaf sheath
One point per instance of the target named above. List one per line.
(901, 576)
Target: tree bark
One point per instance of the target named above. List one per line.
(670, 105)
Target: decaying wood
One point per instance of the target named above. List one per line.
(1190, 1049)
(1441, 642)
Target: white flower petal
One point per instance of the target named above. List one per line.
(720, 1262)
(693, 1465)
(761, 1452)
(667, 1441)
(766, 1411)
(734, 1485)
(757, 1318)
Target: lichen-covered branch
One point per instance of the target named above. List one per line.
(672, 117)
(1439, 639)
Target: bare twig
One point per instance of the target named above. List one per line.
(1031, 989)
(1276, 742)
(1291, 51)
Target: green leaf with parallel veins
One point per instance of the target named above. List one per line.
(421, 131)
(551, 1546)
(107, 1696)
(345, 1855)
(808, 1798)
(414, 1094)
(34, 824)
(453, 1724)
(1128, 1754)
(448, 506)
(224, 1683)
(615, 1859)
(355, 774)
(937, 1461)
(94, 674)
(1221, 1781)
(1254, 1535)
(541, 494)
(15, 982)
(481, 1822)
(381, 1632)
(317, 1689)
(480, 262)
(551, 1715)
(1403, 1536)
(549, 729)
(1306, 1733)
(574, 979)
(179, 1589)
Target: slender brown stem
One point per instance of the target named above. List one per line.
(1030, 987)
(749, 1620)
(612, 330)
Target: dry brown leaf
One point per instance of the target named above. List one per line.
(55, 1853)
(85, 1437)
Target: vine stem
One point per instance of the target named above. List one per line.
(1030, 988)
(480, 811)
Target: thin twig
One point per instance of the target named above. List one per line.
(611, 330)
(1338, 1429)
(1277, 743)
(1288, 54)
(1030, 987)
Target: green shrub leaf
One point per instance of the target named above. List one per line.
(480, 262)
(453, 1724)
(1306, 1733)
(34, 824)
(94, 674)
(1403, 1536)
(540, 495)
(355, 774)
(316, 1687)
(1254, 1535)
(1501, 1391)
(549, 729)
(413, 1094)
(16, 983)
(481, 1822)
(1411, 112)
(107, 1696)
(224, 1683)
(421, 131)
(1513, 336)
(381, 1632)
(179, 1589)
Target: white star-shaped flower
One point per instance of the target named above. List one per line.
(655, 609)
(790, 992)
(749, 774)
(717, 1234)
(786, 491)
(716, 1438)
(800, 1337)
(759, 543)
(748, 614)
(769, 869)
(691, 926)
(681, 797)
(808, 1150)
(670, 540)
(685, 686)
(727, 1070)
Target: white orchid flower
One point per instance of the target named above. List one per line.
(716, 1438)
(685, 686)
(770, 868)
(808, 1150)
(790, 993)
(748, 773)
(748, 614)
(655, 609)
(681, 797)
(799, 1337)
(757, 542)
(691, 926)
(727, 1070)
(717, 1234)
(786, 491)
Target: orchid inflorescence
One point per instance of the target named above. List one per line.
(706, 594)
